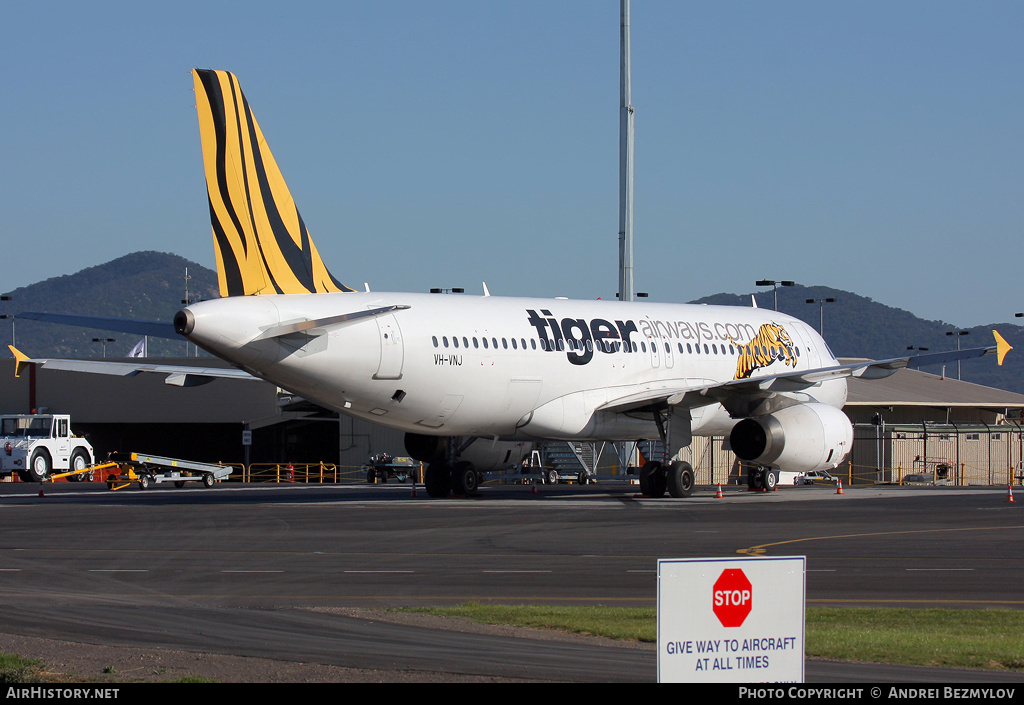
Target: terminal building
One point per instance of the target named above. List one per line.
(912, 426)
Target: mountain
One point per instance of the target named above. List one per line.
(856, 326)
(151, 286)
(143, 285)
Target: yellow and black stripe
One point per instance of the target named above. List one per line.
(261, 243)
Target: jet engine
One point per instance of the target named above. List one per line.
(484, 454)
(799, 438)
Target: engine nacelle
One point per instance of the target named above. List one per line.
(486, 455)
(799, 438)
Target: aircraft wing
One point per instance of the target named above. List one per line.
(157, 329)
(735, 390)
(177, 375)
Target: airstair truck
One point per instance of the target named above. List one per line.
(36, 445)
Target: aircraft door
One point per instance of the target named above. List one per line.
(810, 350)
(670, 358)
(392, 350)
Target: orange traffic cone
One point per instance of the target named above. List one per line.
(1009, 494)
(719, 495)
(839, 488)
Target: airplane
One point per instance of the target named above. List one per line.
(475, 381)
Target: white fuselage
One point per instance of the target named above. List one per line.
(504, 367)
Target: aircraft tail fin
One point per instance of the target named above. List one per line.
(261, 243)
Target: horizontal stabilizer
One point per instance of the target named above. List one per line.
(156, 329)
(310, 325)
(178, 375)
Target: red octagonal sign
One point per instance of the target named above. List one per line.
(732, 597)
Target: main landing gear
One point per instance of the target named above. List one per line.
(676, 478)
(442, 478)
(656, 477)
(762, 478)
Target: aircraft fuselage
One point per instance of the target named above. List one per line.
(508, 367)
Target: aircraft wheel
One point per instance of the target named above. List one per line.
(437, 480)
(465, 480)
(679, 479)
(755, 478)
(652, 479)
(771, 479)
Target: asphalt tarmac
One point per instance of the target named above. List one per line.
(254, 569)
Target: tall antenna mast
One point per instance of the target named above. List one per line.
(626, 288)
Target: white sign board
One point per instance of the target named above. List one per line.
(731, 620)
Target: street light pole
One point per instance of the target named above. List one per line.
(958, 333)
(774, 285)
(821, 312)
(104, 341)
(8, 297)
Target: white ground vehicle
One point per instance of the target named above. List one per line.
(36, 445)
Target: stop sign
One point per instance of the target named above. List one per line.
(732, 597)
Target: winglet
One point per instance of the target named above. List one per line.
(22, 360)
(1002, 347)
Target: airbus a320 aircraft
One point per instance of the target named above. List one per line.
(475, 380)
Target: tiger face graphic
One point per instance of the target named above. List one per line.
(771, 344)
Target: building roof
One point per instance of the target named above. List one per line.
(917, 388)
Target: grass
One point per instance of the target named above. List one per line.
(929, 637)
(15, 669)
(626, 623)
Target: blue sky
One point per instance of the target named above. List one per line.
(872, 146)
